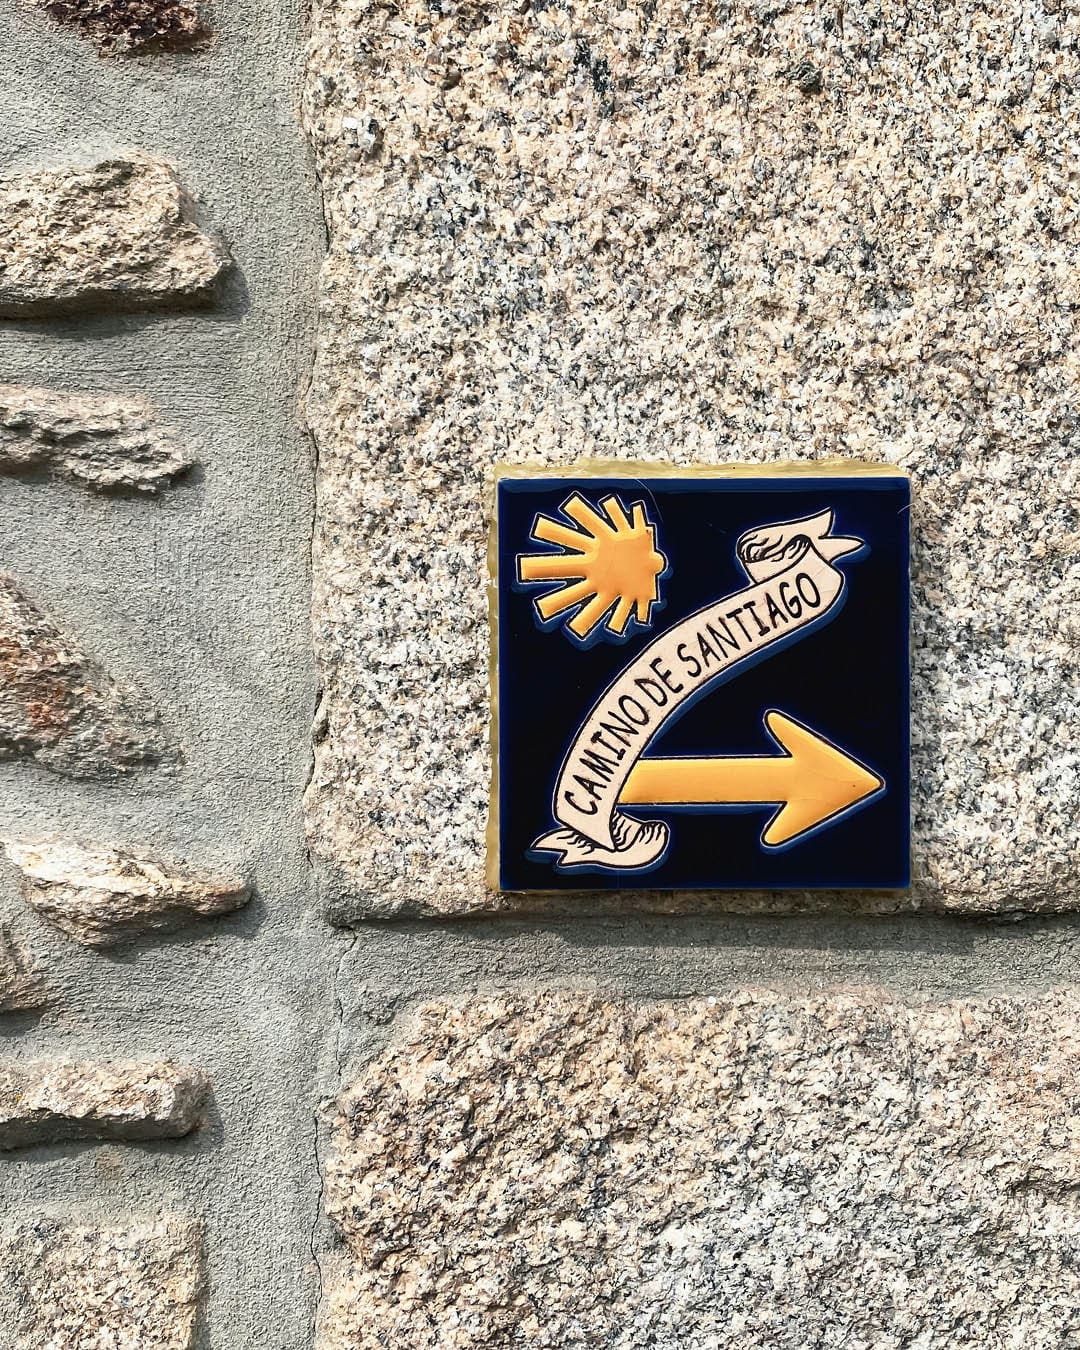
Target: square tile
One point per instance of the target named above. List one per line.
(702, 679)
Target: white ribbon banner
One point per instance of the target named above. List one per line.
(793, 585)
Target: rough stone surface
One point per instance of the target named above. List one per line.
(100, 440)
(105, 896)
(682, 233)
(58, 706)
(132, 25)
(120, 234)
(68, 1286)
(760, 1173)
(22, 988)
(48, 1102)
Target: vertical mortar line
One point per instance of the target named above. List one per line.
(312, 881)
(339, 1020)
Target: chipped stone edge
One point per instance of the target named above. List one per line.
(53, 1127)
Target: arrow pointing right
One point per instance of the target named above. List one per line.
(813, 781)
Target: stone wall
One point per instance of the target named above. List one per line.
(170, 1024)
(278, 290)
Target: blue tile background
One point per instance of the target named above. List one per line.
(847, 680)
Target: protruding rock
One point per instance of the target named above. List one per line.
(101, 440)
(59, 707)
(70, 1286)
(104, 896)
(118, 235)
(757, 1172)
(22, 988)
(119, 26)
(50, 1102)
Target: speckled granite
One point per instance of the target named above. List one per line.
(50, 1101)
(842, 1173)
(675, 232)
(66, 1286)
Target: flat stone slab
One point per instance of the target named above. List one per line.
(120, 234)
(766, 1172)
(103, 896)
(70, 1286)
(58, 706)
(102, 441)
(54, 1101)
(650, 233)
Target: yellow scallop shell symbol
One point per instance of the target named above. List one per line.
(607, 569)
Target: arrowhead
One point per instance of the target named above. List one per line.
(824, 781)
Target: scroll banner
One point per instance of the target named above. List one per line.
(793, 588)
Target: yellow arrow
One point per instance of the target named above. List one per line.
(812, 781)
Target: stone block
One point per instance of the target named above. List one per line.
(102, 441)
(105, 896)
(71, 1286)
(122, 26)
(765, 1172)
(60, 708)
(653, 234)
(22, 988)
(117, 235)
(54, 1101)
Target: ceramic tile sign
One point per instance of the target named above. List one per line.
(701, 678)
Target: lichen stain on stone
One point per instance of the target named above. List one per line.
(60, 708)
(119, 26)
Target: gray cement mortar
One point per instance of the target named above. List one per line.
(200, 598)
